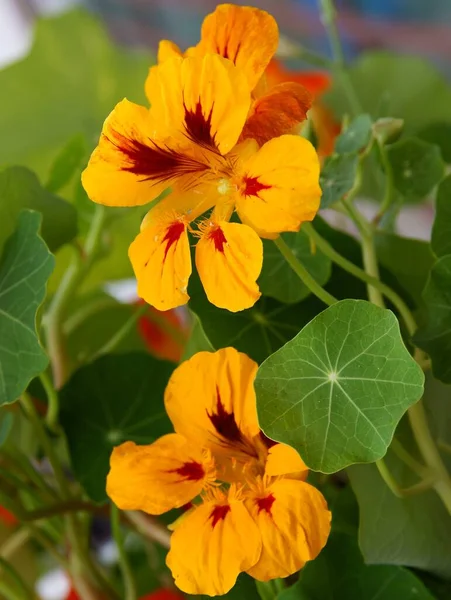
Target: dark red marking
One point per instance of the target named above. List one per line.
(192, 471)
(219, 513)
(198, 126)
(224, 422)
(219, 239)
(266, 503)
(172, 236)
(253, 186)
(267, 441)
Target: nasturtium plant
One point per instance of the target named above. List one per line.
(223, 365)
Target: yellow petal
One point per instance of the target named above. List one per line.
(131, 165)
(167, 50)
(247, 36)
(212, 545)
(161, 259)
(284, 460)
(210, 399)
(229, 258)
(280, 186)
(202, 99)
(294, 523)
(156, 478)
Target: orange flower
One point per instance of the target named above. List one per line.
(164, 333)
(7, 517)
(254, 511)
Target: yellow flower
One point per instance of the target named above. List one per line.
(253, 511)
(188, 140)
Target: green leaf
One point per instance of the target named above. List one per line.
(279, 281)
(356, 136)
(67, 163)
(337, 390)
(198, 340)
(115, 399)
(440, 135)
(417, 167)
(83, 74)
(24, 270)
(337, 177)
(6, 424)
(340, 573)
(19, 189)
(435, 336)
(244, 589)
(441, 231)
(394, 85)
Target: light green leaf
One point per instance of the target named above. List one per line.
(24, 270)
(337, 390)
(441, 231)
(339, 573)
(67, 163)
(279, 281)
(115, 399)
(19, 189)
(356, 136)
(337, 177)
(417, 167)
(67, 85)
(435, 336)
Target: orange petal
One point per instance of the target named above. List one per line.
(316, 82)
(326, 128)
(158, 477)
(167, 50)
(247, 36)
(294, 523)
(201, 99)
(279, 111)
(280, 186)
(284, 460)
(229, 258)
(212, 545)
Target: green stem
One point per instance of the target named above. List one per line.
(389, 184)
(408, 459)
(7, 592)
(86, 311)
(302, 272)
(371, 267)
(52, 402)
(121, 333)
(26, 592)
(127, 573)
(14, 542)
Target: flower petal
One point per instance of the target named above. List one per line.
(168, 50)
(294, 523)
(279, 111)
(212, 545)
(280, 186)
(317, 82)
(284, 460)
(161, 259)
(156, 478)
(202, 99)
(229, 258)
(210, 399)
(131, 165)
(247, 36)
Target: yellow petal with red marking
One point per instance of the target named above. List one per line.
(280, 186)
(212, 545)
(210, 399)
(229, 258)
(161, 259)
(156, 478)
(247, 36)
(279, 111)
(284, 460)
(204, 100)
(294, 523)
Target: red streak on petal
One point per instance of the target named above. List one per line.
(253, 186)
(219, 239)
(192, 471)
(265, 503)
(219, 513)
(173, 233)
(198, 126)
(224, 422)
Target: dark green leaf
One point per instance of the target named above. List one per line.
(198, 340)
(6, 424)
(115, 399)
(339, 573)
(435, 336)
(441, 231)
(19, 189)
(244, 589)
(67, 163)
(279, 281)
(417, 167)
(24, 270)
(356, 137)
(337, 177)
(337, 390)
(440, 135)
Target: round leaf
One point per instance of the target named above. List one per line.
(338, 389)
(441, 231)
(356, 136)
(337, 177)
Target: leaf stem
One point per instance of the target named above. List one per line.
(52, 402)
(121, 333)
(127, 573)
(302, 272)
(26, 592)
(389, 184)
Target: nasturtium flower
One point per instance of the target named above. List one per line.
(252, 509)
